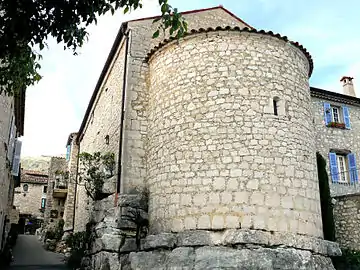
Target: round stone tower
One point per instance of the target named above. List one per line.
(231, 139)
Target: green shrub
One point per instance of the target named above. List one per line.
(350, 260)
(79, 242)
(57, 233)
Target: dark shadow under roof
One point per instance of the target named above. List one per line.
(333, 96)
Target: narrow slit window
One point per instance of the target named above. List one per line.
(275, 105)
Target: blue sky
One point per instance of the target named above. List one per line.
(56, 105)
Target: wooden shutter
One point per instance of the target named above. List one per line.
(16, 160)
(327, 113)
(346, 117)
(333, 168)
(352, 168)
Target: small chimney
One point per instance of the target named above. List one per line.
(348, 86)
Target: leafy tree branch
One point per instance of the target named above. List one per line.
(26, 25)
(94, 169)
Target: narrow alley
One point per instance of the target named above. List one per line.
(30, 255)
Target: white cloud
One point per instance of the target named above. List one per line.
(56, 105)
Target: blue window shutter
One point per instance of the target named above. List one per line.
(346, 117)
(327, 113)
(334, 168)
(352, 168)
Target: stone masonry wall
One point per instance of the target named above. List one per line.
(334, 138)
(30, 202)
(6, 107)
(135, 132)
(105, 120)
(70, 199)
(56, 164)
(347, 220)
(217, 157)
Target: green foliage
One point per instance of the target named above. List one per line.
(93, 170)
(79, 242)
(26, 25)
(65, 174)
(350, 260)
(325, 199)
(57, 233)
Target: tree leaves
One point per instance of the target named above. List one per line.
(30, 23)
(156, 34)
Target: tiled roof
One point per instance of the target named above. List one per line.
(34, 177)
(333, 96)
(238, 29)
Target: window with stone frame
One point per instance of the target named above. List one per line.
(44, 189)
(343, 168)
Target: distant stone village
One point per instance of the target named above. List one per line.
(208, 152)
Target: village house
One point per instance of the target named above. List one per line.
(30, 196)
(222, 129)
(12, 111)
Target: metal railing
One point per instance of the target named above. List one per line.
(340, 187)
(60, 185)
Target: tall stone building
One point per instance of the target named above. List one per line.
(222, 128)
(56, 192)
(12, 111)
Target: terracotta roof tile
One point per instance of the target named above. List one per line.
(35, 177)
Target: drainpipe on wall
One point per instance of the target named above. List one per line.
(76, 184)
(122, 119)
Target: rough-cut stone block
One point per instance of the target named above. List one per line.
(316, 245)
(194, 238)
(107, 242)
(104, 204)
(333, 249)
(128, 245)
(162, 240)
(234, 237)
(105, 261)
(228, 258)
(109, 185)
(148, 260)
(181, 258)
(133, 201)
(124, 224)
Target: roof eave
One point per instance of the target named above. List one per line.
(333, 96)
(196, 11)
(109, 59)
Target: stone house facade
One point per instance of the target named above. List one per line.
(12, 111)
(56, 191)
(222, 128)
(30, 196)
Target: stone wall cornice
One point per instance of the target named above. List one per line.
(237, 29)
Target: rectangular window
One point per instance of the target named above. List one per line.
(43, 203)
(343, 167)
(44, 189)
(343, 172)
(336, 114)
